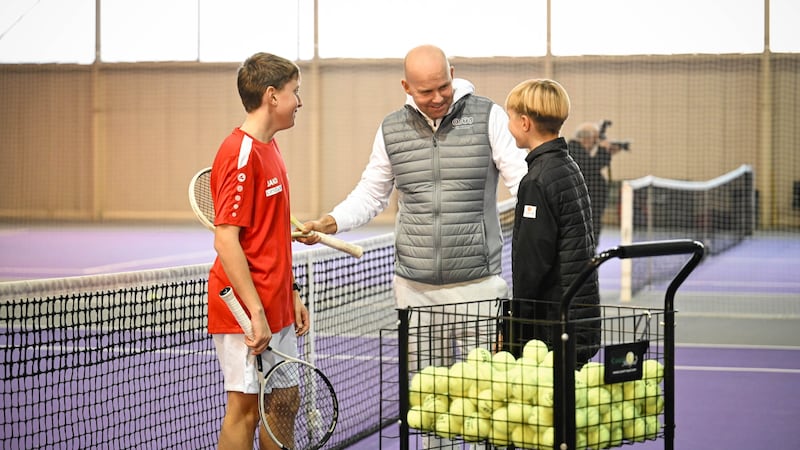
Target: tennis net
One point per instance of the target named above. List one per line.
(720, 213)
(124, 360)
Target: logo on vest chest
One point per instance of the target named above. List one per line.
(460, 123)
(529, 211)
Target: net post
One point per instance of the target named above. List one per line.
(626, 238)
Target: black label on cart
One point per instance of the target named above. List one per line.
(623, 362)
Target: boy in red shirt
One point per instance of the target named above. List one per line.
(250, 191)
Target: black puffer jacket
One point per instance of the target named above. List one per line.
(552, 243)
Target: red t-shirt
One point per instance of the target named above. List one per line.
(250, 189)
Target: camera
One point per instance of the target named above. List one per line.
(622, 145)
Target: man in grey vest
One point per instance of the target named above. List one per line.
(445, 152)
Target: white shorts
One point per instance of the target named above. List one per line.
(238, 364)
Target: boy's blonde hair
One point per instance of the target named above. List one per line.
(544, 101)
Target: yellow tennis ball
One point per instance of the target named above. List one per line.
(484, 375)
(447, 426)
(524, 386)
(476, 427)
(634, 391)
(527, 363)
(422, 384)
(635, 431)
(600, 397)
(547, 361)
(652, 369)
(525, 436)
(592, 373)
(486, 403)
(479, 355)
(460, 378)
(441, 379)
(518, 413)
(498, 438)
(598, 436)
(436, 404)
(500, 425)
(547, 437)
(419, 419)
(501, 388)
(651, 427)
(544, 395)
(629, 413)
(653, 399)
(616, 437)
(503, 360)
(541, 416)
(535, 349)
(462, 407)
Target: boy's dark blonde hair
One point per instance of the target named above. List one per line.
(545, 101)
(260, 71)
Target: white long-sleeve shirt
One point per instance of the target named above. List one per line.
(372, 193)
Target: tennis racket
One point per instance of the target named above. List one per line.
(203, 208)
(297, 403)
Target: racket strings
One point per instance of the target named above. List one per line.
(300, 406)
(202, 195)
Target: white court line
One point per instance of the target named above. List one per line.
(737, 369)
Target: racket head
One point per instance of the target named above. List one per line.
(200, 198)
(291, 384)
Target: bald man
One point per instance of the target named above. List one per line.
(444, 151)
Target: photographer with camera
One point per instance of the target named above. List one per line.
(593, 152)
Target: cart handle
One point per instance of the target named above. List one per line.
(638, 250)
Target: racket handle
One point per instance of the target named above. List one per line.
(238, 312)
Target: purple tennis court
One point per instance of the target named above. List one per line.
(118, 383)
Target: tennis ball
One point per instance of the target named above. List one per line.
(523, 386)
(503, 360)
(527, 364)
(634, 391)
(653, 399)
(581, 393)
(500, 421)
(419, 419)
(635, 431)
(484, 375)
(518, 413)
(547, 437)
(544, 395)
(475, 428)
(613, 417)
(592, 373)
(652, 369)
(421, 385)
(462, 407)
(629, 413)
(447, 426)
(487, 404)
(524, 436)
(600, 397)
(547, 361)
(460, 378)
(541, 416)
(441, 377)
(598, 436)
(616, 437)
(535, 349)
(501, 388)
(617, 395)
(499, 439)
(544, 376)
(479, 355)
(651, 427)
(436, 404)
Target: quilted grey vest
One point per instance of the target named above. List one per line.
(447, 229)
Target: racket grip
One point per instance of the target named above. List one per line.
(238, 312)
